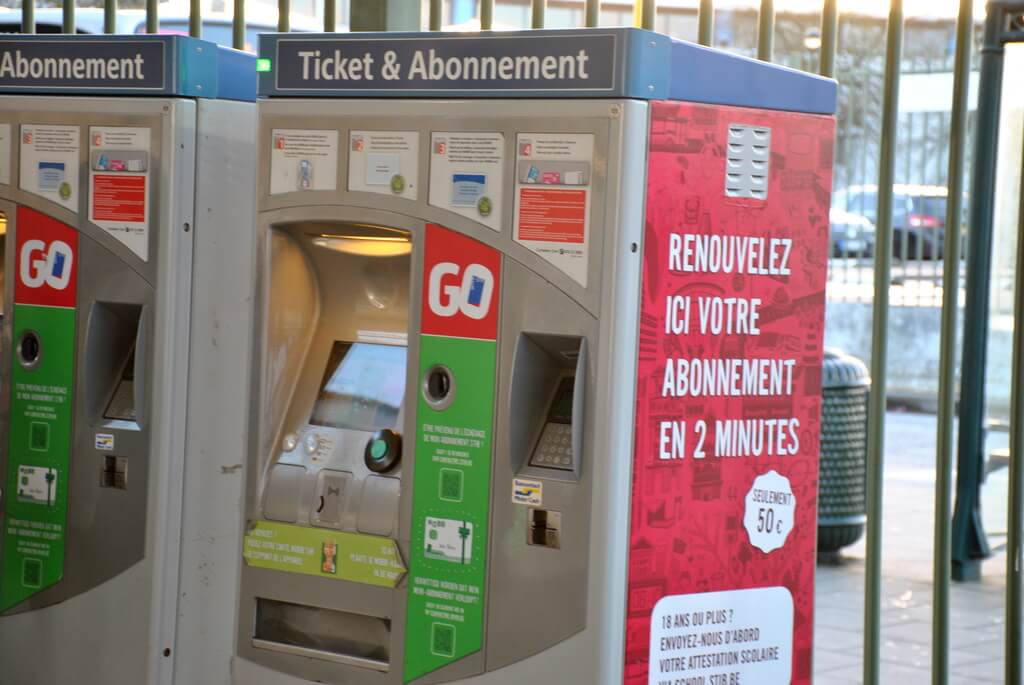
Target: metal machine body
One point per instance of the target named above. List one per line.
(127, 172)
(440, 485)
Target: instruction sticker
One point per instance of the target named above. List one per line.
(553, 187)
(5, 154)
(119, 160)
(37, 484)
(727, 638)
(384, 162)
(49, 163)
(466, 175)
(303, 160)
(528, 492)
(448, 540)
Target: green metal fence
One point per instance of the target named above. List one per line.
(959, 544)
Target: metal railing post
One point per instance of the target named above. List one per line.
(109, 16)
(330, 15)
(592, 13)
(539, 8)
(879, 347)
(284, 16)
(238, 25)
(436, 11)
(1015, 518)
(486, 15)
(829, 38)
(195, 19)
(766, 31)
(28, 16)
(68, 16)
(706, 22)
(646, 12)
(947, 345)
(969, 543)
(152, 16)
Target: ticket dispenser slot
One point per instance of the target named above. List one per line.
(115, 349)
(547, 398)
(336, 368)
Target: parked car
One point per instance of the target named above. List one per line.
(850, 235)
(918, 216)
(216, 26)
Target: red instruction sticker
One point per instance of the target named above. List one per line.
(119, 197)
(553, 215)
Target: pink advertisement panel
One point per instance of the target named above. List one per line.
(724, 513)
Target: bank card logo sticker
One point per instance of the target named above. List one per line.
(105, 442)
(49, 163)
(461, 286)
(46, 261)
(528, 492)
(448, 540)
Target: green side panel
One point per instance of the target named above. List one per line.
(39, 449)
(325, 553)
(450, 511)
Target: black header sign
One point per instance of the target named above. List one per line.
(83, 64)
(428, 64)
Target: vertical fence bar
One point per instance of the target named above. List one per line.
(109, 16)
(829, 38)
(152, 16)
(330, 15)
(592, 13)
(947, 346)
(537, 15)
(284, 16)
(28, 16)
(437, 10)
(68, 16)
(238, 25)
(195, 19)
(766, 31)
(1014, 535)
(646, 13)
(706, 22)
(879, 346)
(970, 544)
(486, 15)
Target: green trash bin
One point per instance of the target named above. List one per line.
(842, 488)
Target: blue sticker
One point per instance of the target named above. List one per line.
(467, 189)
(51, 175)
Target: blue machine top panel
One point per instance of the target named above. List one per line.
(585, 63)
(160, 65)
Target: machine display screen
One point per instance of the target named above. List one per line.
(362, 387)
(561, 407)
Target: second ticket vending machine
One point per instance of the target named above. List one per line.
(539, 328)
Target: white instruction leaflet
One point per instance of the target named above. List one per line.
(384, 162)
(49, 162)
(723, 638)
(554, 176)
(466, 175)
(5, 154)
(303, 160)
(119, 184)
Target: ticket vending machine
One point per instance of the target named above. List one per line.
(538, 340)
(126, 171)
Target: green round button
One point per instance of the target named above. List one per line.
(379, 449)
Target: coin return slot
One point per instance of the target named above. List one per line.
(115, 473)
(439, 387)
(545, 528)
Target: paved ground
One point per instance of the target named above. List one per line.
(977, 609)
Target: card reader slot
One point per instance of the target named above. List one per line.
(327, 634)
(547, 403)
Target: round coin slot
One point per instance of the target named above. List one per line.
(29, 349)
(439, 387)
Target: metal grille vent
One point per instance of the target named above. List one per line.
(747, 160)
